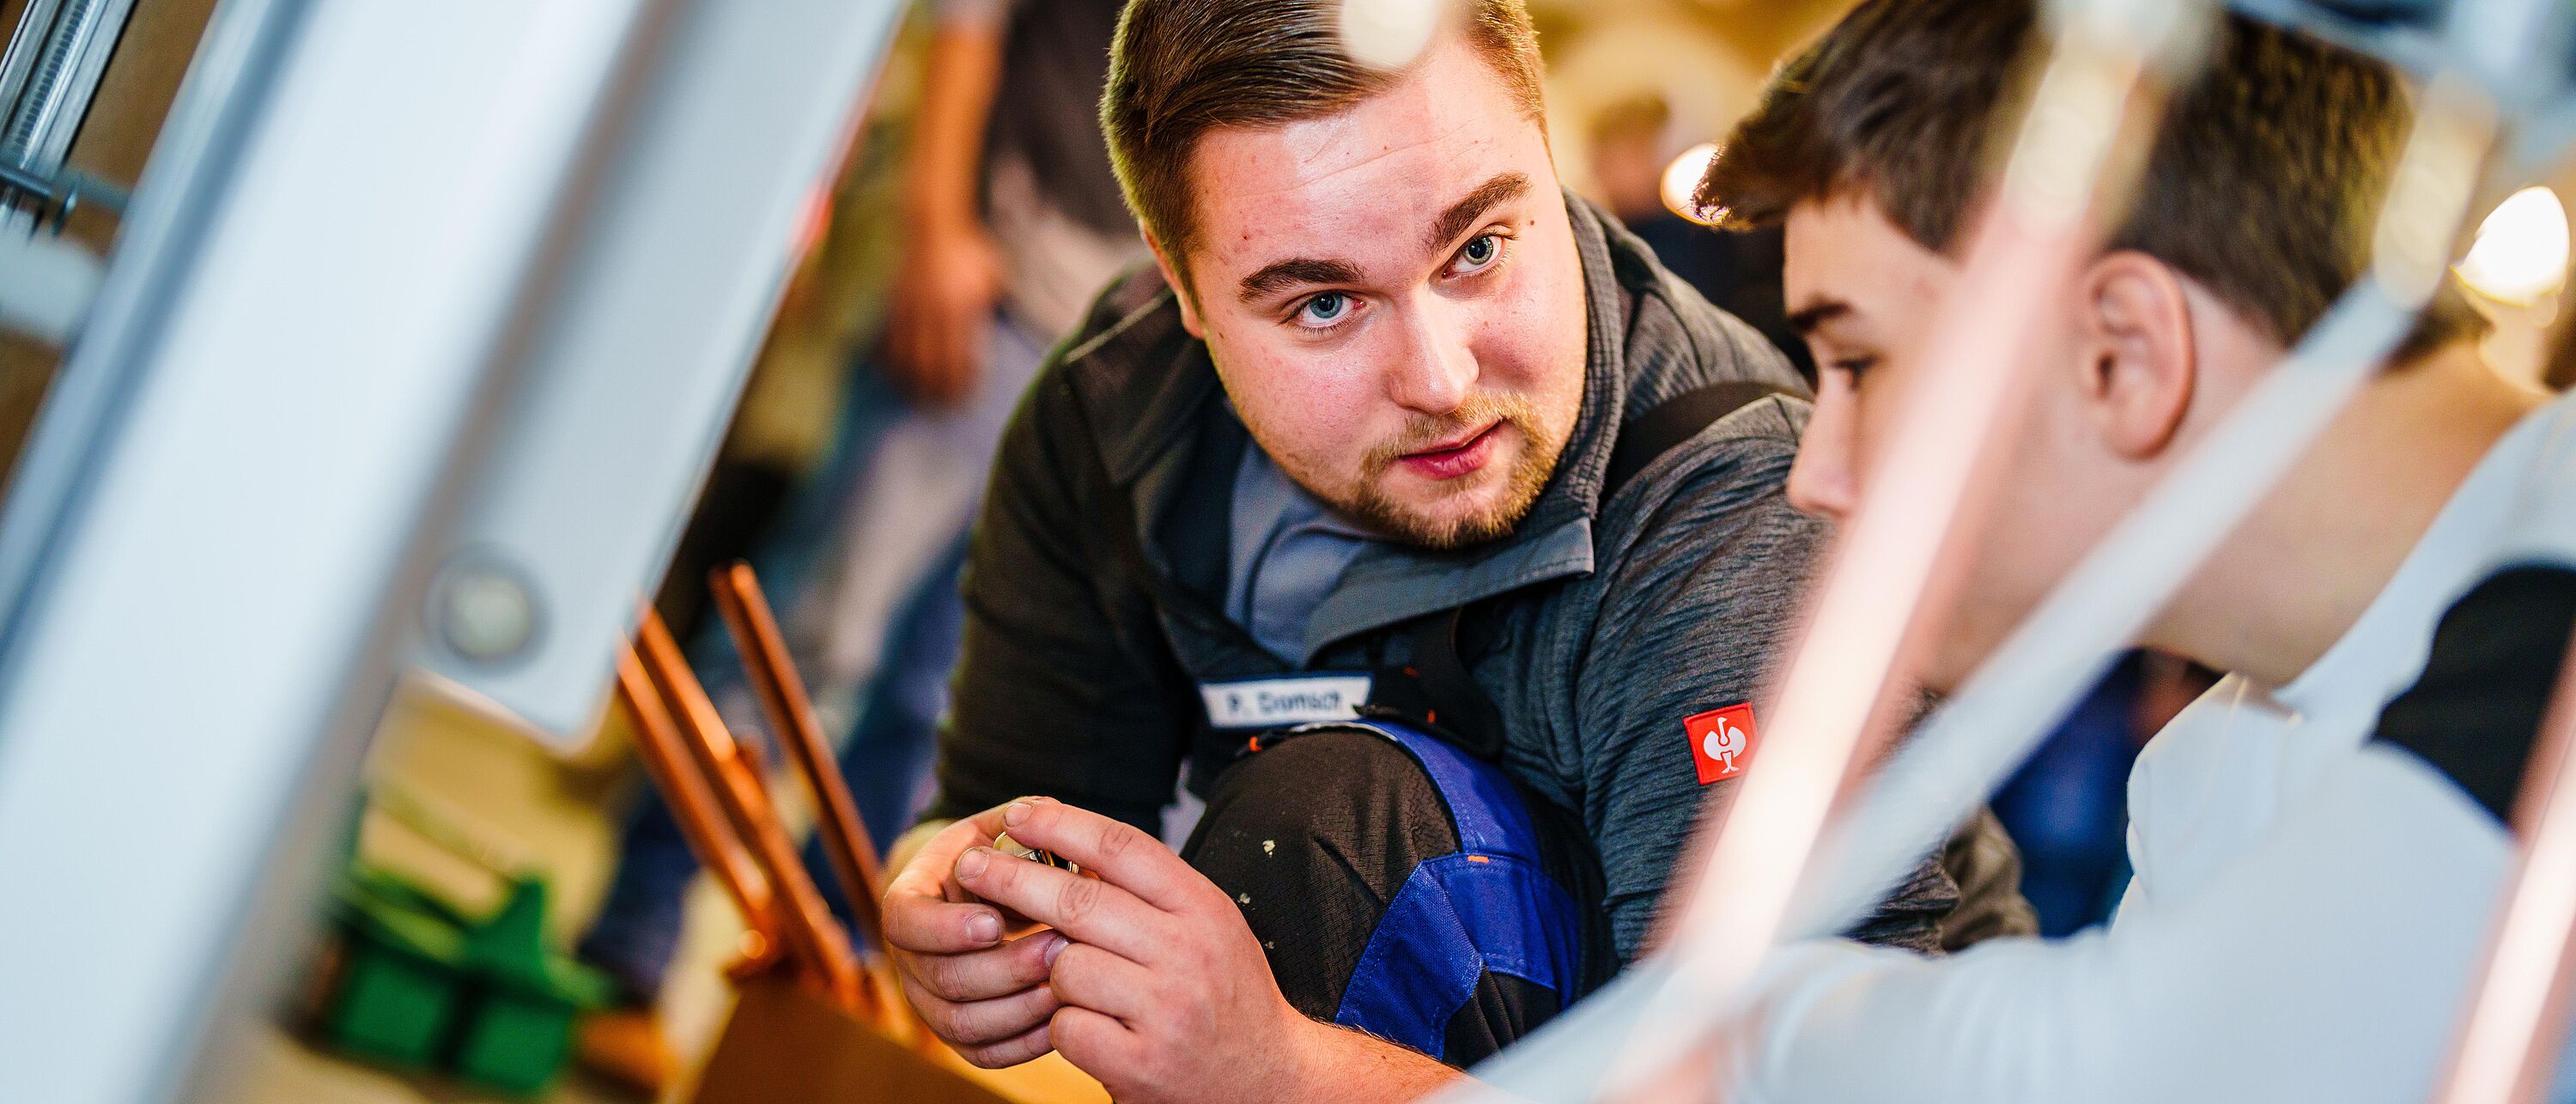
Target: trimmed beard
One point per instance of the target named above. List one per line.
(1406, 524)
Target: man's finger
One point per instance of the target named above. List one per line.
(923, 923)
(1114, 849)
(983, 975)
(1089, 977)
(1098, 1045)
(1028, 1047)
(981, 1023)
(1088, 910)
(923, 914)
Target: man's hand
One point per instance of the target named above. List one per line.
(1165, 994)
(941, 308)
(986, 997)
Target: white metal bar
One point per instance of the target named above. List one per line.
(452, 226)
(189, 176)
(670, 288)
(2517, 1017)
(220, 615)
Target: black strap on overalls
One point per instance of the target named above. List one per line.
(1436, 691)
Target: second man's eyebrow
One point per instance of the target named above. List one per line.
(1280, 275)
(1503, 188)
(1807, 319)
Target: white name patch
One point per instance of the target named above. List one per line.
(1279, 702)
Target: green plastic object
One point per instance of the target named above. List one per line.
(399, 980)
(424, 988)
(519, 1031)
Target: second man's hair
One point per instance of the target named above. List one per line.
(2264, 182)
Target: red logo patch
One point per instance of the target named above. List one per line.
(1721, 742)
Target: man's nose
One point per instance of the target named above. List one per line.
(1436, 370)
(1820, 481)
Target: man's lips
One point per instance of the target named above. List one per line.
(1452, 460)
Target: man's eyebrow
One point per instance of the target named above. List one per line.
(1503, 188)
(1807, 319)
(1278, 276)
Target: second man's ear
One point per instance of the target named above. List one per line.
(2138, 361)
(1181, 292)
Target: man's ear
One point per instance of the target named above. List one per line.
(1181, 292)
(2137, 363)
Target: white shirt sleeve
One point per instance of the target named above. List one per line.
(2326, 965)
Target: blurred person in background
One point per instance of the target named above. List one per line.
(1009, 220)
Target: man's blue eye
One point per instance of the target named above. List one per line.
(1480, 250)
(1327, 307)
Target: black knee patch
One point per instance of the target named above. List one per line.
(1312, 838)
(1315, 835)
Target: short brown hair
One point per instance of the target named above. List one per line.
(1181, 68)
(2263, 184)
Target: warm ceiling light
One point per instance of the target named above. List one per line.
(1681, 180)
(2520, 255)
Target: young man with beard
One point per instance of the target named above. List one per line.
(2319, 841)
(1390, 422)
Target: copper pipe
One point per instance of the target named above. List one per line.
(748, 616)
(666, 759)
(2509, 1042)
(813, 938)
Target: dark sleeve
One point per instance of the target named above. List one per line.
(1690, 619)
(2475, 713)
(1065, 686)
